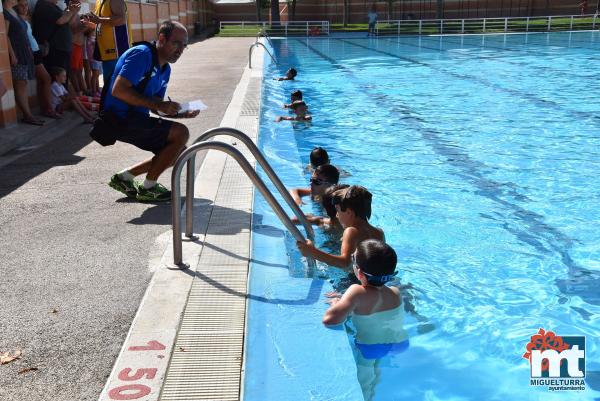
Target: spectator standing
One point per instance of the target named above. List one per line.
(113, 33)
(372, 16)
(21, 59)
(41, 75)
(91, 67)
(78, 28)
(51, 29)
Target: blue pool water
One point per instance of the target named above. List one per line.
(482, 154)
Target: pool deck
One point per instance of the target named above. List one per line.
(188, 335)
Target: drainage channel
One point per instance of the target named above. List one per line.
(207, 358)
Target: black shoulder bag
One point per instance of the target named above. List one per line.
(108, 124)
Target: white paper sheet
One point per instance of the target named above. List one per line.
(189, 106)
(193, 105)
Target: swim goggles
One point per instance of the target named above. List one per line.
(373, 278)
(318, 181)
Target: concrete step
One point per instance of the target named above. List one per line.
(26, 135)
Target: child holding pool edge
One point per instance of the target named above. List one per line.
(375, 309)
(330, 221)
(374, 264)
(353, 210)
(322, 178)
(295, 95)
(300, 109)
(318, 157)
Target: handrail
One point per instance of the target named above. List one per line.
(486, 22)
(245, 165)
(265, 166)
(489, 18)
(264, 34)
(281, 28)
(252, 48)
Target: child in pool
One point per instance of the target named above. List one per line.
(330, 222)
(295, 95)
(319, 157)
(290, 74)
(375, 309)
(322, 178)
(300, 109)
(353, 210)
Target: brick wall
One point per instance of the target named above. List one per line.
(144, 16)
(332, 10)
(8, 114)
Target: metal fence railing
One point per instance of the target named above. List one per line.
(488, 25)
(286, 28)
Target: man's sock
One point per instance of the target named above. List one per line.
(149, 183)
(125, 175)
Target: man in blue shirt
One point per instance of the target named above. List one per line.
(137, 86)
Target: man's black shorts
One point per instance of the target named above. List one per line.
(145, 132)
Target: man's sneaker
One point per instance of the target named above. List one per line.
(123, 186)
(157, 193)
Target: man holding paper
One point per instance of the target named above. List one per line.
(138, 85)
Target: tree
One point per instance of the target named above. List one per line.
(275, 11)
(390, 7)
(260, 5)
(292, 8)
(345, 13)
(439, 14)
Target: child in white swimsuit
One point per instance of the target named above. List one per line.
(375, 309)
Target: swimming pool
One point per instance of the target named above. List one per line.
(482, 154)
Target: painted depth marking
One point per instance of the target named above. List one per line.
(135, 383)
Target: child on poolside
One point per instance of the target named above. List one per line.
(61, 100)
(295, 95)
(353, 210)
(290, 74)
(300, 109)
(323, 177)
(375, 309)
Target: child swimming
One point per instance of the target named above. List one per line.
(300, 109)
(375, 309)
(353, 210)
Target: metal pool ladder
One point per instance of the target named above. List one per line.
(251, 49)
(265, 35)
(202, 144)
